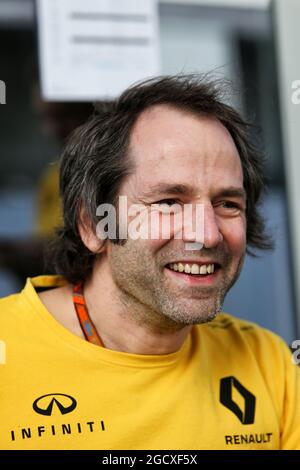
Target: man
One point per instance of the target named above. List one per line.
(167, 370)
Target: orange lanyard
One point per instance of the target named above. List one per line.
(87, 326)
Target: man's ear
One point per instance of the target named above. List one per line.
(88, 234)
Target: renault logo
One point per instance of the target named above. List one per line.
(46, 404)
(227, 386)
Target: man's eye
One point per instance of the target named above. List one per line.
(168, 206)
(230, 205)
(168, 202)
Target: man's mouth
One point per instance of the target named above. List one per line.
(194, 269)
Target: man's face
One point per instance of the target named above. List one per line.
(172, 147)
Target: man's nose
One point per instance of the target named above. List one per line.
(212, 233)
(209, 233)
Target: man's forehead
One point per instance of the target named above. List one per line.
(184, 152)
(159, 116)
(166, 131)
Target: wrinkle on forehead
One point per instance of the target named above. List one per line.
(182, 146)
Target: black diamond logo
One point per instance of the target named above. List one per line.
(247, 415)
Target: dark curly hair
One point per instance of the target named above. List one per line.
(96, 161)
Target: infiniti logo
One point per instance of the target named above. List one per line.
(45, 404)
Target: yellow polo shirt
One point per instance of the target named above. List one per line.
(232, 385)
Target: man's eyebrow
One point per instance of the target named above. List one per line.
(167, 188)
(187, 190)
(232, 191)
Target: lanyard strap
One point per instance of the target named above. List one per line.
(87, 326)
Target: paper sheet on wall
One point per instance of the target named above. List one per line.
(94, 49)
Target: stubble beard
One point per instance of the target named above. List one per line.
(203, 303)
(190, 307)
(153, 301)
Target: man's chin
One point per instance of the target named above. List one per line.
(186, 316)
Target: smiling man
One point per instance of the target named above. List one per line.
(128, 347)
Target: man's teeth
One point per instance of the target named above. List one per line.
(193, 268)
